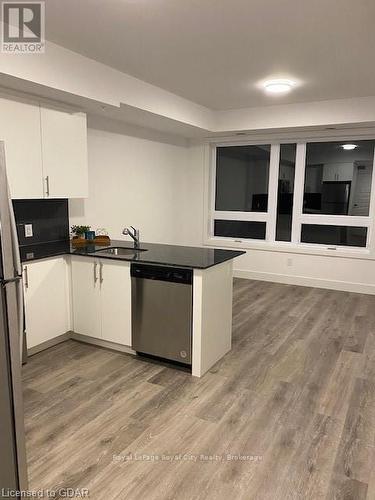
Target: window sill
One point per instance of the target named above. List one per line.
(286, 247)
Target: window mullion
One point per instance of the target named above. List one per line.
(272, 191)
(336, 220)
(370, 231)
(299, 183)
(242, 216)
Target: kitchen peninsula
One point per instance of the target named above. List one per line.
(101, 304)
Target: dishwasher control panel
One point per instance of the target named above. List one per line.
(162, 273)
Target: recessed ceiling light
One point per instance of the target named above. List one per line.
(279, 86)
(349, 147)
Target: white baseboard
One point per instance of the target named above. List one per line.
(80, 338)
(102, 343)
(288, 279)
(49, 343)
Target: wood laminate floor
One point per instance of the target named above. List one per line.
(289, 413)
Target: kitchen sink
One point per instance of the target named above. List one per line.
(120, 251)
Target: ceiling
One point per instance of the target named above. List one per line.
(215, 52)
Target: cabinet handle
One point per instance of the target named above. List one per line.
(101, 272)
(95, 272)
(26, 277)
(47, 185)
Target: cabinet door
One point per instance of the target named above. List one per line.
(330, 172)
(64, 154)
(86, 296)
(345, 172)
(20, 131)
(46, 300)
(116, 301)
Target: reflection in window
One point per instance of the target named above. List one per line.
(240, 229)
(285, 192)
(337, 180)
(242, 178)
(334, 235)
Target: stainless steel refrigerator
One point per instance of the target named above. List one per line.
(13, 472)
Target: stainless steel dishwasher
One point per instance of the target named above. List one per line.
(162, 300)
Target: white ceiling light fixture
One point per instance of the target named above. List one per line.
(349, 147)
(279, 86)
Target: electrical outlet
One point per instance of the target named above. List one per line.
(289, 262)
(28, 230)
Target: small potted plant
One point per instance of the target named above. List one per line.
(78, 232)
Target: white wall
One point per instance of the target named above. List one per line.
(160, 188)
(338, 273)
(154, 186)
(307, 114)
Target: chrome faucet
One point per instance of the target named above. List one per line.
(133, 233)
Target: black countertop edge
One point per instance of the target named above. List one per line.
(155, 253)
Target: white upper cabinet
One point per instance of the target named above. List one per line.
(338, 172)
(64, 154)
(20, 131)
(329, 172)
(45, 151)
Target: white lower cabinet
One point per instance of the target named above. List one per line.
(47, 312)
(115, 295)
(86, 296)
(101, 298)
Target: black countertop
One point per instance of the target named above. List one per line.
(168, 255)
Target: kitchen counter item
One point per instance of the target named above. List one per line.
(79, 242)
(102, 240)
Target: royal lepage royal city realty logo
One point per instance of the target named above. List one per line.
(23, 27)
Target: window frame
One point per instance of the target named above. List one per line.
(298, 217)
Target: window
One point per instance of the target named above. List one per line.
(241, 202)
(337, 181)
(334, 235)
(240, 229)
(242, 178)
(315, 193)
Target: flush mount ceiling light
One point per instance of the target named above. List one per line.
(279, 86)
(349, 147)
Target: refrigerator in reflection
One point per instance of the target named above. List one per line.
(13, 473)
(335, 198)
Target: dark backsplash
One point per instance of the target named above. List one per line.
(50, 220)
